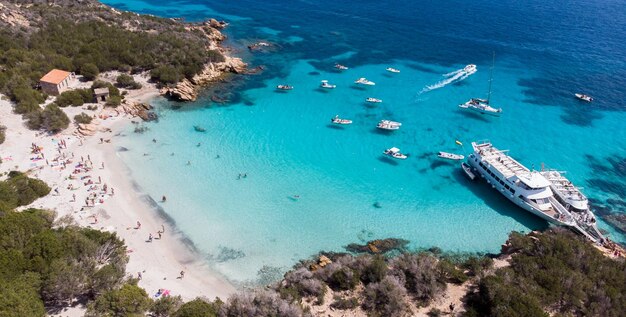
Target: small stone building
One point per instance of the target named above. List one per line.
(56, 81)
(101, 94)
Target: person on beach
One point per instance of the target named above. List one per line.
(138, 225)
(73, 197)
(182, 274)
(159, 233)
(164, 199)
(150, 237)
(102, 167)
(139, 277)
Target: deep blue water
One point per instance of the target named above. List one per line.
(545, 51)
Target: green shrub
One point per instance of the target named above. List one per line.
(113, 101)
(343, 279)
(34, 120)
(124, 80)
(166, 306)
(3, 130)
(83, 118)
(90, 71)
(74, 98)
(129, 300)
(20, 190)
(197, 308)
(53, 119)
(344, 303)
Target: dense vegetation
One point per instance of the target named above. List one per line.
(3, 130)
(88, 39)
(557, 272)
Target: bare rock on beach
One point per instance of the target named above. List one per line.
(87, 129)
(183, 91)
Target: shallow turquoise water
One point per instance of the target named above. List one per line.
(286, 146)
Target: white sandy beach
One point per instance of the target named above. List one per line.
(118, 209)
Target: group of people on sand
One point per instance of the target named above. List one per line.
(614, 248)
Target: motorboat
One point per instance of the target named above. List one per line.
(340, 67)
(373, 100)
(481, 106)
(284, 87)
(388, 125)
(450, 156)
(468, 171)
(325, 84)
(337, 120)
(364, 81)
(469, 68)
(584, 97)
(393, 70)
(395, 153)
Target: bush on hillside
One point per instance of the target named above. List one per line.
(129, 300)
(74, 98)
(82, 118)
(90, 71)
(53, 119)
(3, 130)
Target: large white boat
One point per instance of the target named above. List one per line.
(388, 125)
(574, 200)
(530, 190)
(364, 81)
(395, 153)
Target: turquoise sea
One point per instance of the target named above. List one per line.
(252, 228)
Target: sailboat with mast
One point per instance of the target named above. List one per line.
(482, 105)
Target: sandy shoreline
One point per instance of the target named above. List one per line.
(117, 209)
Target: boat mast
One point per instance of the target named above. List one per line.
(491, 76)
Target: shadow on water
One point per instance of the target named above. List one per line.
(439, 163)
(473, 115)
(388, 160)
(496, 201)
(335, 126)
(321, 90)
(359, 88)
(382, 131)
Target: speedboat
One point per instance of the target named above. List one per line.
(468, 171)
(481, 106)
(450, 156)
(325, 84)
(284, 87)
(584, 97)
(374, 100)
(337, 120)
(364, 81)
(393, 70)
(469, 68)
(340, 67)
(388, 125)
(395, 153)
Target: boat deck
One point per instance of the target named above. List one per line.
(498, 159)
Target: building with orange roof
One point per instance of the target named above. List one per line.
(56, 81)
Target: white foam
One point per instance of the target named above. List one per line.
(452, 77)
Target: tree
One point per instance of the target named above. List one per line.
(196, 308)
(19, 297)
(3, 129)
(83, 118)
(125, 80)
(54, 119)
(129, 300)
(166, 306)
(90, 71)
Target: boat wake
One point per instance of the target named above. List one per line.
(451, 78)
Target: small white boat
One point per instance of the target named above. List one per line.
(469, 68)
(388, 125)
(450, 156)
(373, 100)
(325, 84)
(395, 153)
(393, 70)
(584, 97)
(337, 120)
(340, 67)
(468, 171)
(284, 87)
(364, 81)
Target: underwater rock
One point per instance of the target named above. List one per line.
(269, 274)
(228, 254)
(378, 246)
(617, 220)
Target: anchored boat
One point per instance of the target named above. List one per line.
(337, 120)
(450, 156)
(395, 153)
(325, 84)
(373, 100)
(284, 87)
(388, 125)
(364, 81)
(584, 97)
(482, 105)
(468, 171)
(393, 70)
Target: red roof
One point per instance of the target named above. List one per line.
(55, 76)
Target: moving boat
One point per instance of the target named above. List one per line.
(450, 156)
(388, 125)
(482, 105)
(530, 190)
(469, 68)
(584, 97)
(340, 67)
(337, 120)
(468, 171)
(284, 87)
(395, 153)
(373, 100)
(393, 70)
(325, 84)
(364, 81)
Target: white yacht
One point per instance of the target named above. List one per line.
(373, 100)
(393, 70)
(471, 68)
(325, 84)
(388, 125)
(574, 200)
(584, 97)
(395, 153)
(530, 190)
(364, 81)
(284, 87)
(481, 106)
(337, 120)
(341, 67)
